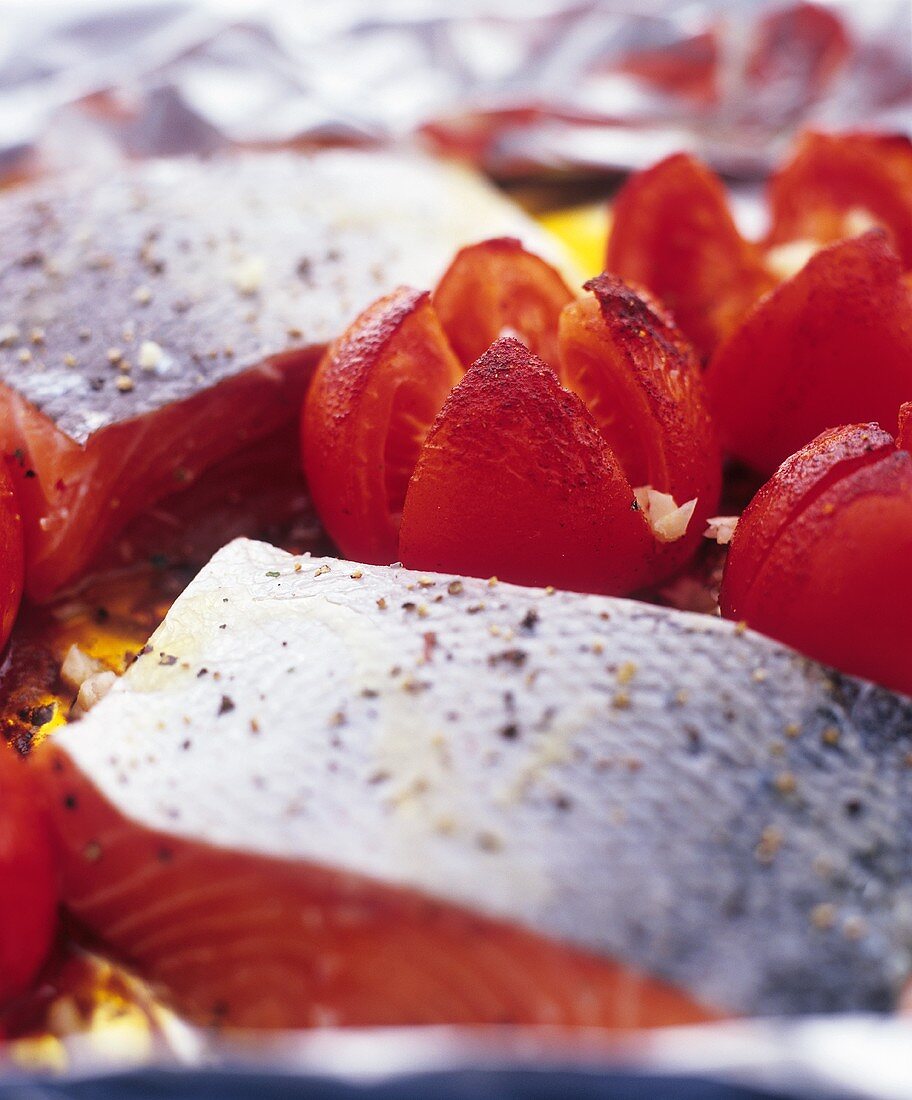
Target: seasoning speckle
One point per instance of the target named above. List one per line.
(785, 783)
(823, 916)
(626, 672)
(771, 840)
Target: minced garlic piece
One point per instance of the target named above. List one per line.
(92, 691)
(667, 519)
(721, 528)
(77, 667)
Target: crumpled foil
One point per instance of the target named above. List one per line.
(837, 1058)
(523, 89)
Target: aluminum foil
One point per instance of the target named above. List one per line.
(523, 88)
(853, 1058)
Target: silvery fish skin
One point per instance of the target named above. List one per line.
(221, 264)
(644, 784)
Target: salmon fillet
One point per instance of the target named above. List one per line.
(155, 321)
(338, 793)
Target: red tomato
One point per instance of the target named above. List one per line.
(379, 387)
(622, 354)
(367, 412)
(830, 346)
(673, 233)
(28, 883)
(497, 285)
(821, 557)
(11, 556)
(836, 180)
(516, 480)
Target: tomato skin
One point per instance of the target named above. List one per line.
(674, 234)
(623, 355)
(832, 345)
(497, 284)
(373, 397)
(516, 481)
(831, 176)
(28, 878)
(820, 558)
(825, 459)
(11, 556)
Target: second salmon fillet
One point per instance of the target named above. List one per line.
(337, 793)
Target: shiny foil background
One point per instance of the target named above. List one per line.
(524, 89)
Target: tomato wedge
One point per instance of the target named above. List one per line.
(623, 355)
(389, 486)
(28, 883)
(837, 185)
(516, 480)
(373, 397)
(497, 285)
(674, 234)
(832, 345)
(821, 557)
(11, 556)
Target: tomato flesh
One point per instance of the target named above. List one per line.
(820, 558)
(496, 285)
(516, 480)
(28, 883)
(836, 182)
(623, 355)
(832, 345)
(674, 234)
(367, 412)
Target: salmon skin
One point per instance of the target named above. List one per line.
(335, 792)
(156, 319)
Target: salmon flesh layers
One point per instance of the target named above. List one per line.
(155, 320)
(329, 792)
